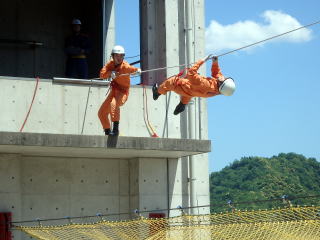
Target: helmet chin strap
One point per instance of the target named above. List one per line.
(112, 57)
(118, 63)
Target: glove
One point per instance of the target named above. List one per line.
(113, 75)
(214, 59)
(221, 79)
(208, 57)
(138, 72)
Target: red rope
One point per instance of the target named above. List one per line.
(144, 109)
(34, 95)
(145, 102)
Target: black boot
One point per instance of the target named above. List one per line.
(155, 92)
(179, 108)
(107, 131)
(115, 130)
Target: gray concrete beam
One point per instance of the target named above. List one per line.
(68, 145)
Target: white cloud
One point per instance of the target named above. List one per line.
(228, 37)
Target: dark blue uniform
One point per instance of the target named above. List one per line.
(77, 48)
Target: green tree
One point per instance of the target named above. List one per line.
(259, 180)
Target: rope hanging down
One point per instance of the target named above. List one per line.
(146, 114)
(33, 97)
(85, 111)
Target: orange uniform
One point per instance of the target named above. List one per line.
(193, 85)
(119, 91)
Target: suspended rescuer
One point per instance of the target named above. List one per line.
(195, 85)
(77, 47)
(119, 70)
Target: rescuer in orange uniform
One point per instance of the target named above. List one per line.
(194, 85)
(119, 70)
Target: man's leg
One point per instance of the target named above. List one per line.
(116, 103)
(182, 105)
(71, 68)
(155, 92)
(168, 85)
(82, 68)
(104, 113)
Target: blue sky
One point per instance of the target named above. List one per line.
(276, 107)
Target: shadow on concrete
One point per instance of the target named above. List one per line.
(112, 141)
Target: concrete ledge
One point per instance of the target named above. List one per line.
(99, 146)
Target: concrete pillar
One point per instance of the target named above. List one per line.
(153, 40)
(108, 28)
(158, 183)
(148, 184)
(162, 34)
(163, 37)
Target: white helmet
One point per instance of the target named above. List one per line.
(227, 87)
(118, 49)
(76, 22)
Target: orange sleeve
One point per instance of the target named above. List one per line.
(194, 69)
(105, 72)
(215, 70)
(130, 69)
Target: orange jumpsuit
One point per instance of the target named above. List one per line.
(119, 91)
(193, 85)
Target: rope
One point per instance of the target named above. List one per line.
(166, 209)
(132, 57)
(166, 125)
(85, 111)
(226, 53)
(267, 39)
(33, 97)
(182, 65)
(145, 112)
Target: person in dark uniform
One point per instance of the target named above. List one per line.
(77, 47)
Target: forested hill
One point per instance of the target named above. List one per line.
(257, 178)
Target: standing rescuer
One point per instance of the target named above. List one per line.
(77, 48)
(195, 85)
(119, 70)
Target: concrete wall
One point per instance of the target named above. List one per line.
(47, 187)
(61, 108)
(43, 187)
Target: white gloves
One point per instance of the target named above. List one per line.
(221, 79)
(113, 75)
(208, 57)
(214, 58)
(138, 72)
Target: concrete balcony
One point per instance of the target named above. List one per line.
(67, 145)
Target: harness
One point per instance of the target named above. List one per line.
(117, 86)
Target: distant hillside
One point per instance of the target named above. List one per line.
(257, 178)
